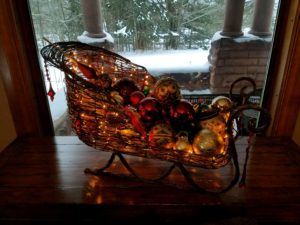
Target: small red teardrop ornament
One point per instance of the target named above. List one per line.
(51, 93)
(77, 124)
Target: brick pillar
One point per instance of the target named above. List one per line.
(93, 25)
(262, 17)
(234, 10)
(231, 58)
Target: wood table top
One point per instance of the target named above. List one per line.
(42, 181)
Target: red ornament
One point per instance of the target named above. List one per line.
(136, 97)
(88, 72)
(150, 109)
(125, 87)
(51, 93)
(77, 124)
(136, 120)
(182, 112)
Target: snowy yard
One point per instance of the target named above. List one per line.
(170, 61)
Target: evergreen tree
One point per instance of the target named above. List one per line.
(138, 24)
(56, 20)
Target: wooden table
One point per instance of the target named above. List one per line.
(42, 182)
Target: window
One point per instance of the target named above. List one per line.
(173, 38)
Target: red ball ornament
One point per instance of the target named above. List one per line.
(182, 112)
(136, 97)
(125, 87)
(149, 109)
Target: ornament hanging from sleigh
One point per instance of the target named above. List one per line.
(117, 106)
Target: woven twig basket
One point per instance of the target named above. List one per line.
(96, 117)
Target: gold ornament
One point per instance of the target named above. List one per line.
(205, 142)
(161, 135)
(223, 103)
(216, 124)
(166, 90)
(129, 133)
(182, 143)
(118, 98)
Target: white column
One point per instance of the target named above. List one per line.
(93, 25)
(92, 18)
(262, 17)
(234, 10)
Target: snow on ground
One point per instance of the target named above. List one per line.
(170, 61)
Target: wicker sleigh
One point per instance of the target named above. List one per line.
(101, 122)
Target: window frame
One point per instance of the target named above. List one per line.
(281, 96)
(21, 72)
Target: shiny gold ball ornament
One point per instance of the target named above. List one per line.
(161, 135)
(222, 103)
(205, 142)
(166, 91)
(182, 143)
(216, 124)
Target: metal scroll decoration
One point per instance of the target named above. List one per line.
(118, 106)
